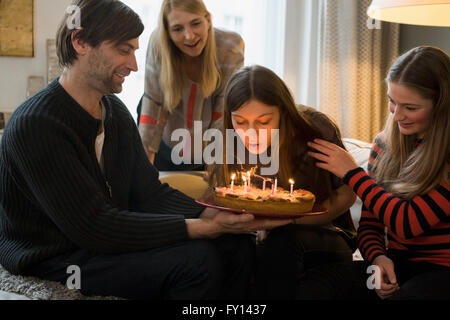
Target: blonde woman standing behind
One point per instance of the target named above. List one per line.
(188, 65)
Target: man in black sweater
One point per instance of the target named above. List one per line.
(77, 188)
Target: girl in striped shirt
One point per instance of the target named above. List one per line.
(406, 191)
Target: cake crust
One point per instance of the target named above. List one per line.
(257, 200)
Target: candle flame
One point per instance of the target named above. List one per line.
(244, 178)
(291, 181)
(233, 176)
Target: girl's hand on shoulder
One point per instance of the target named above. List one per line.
(332, 157)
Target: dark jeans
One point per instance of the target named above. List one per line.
(342, 281)
(191, 270)
(288, 252)
(163, 157)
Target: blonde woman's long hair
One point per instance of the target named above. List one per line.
(173, 78)
(404, 169)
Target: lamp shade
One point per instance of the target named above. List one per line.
(417, 12)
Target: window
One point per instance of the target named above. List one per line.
(133, 87)
(234, 23)
(259, 22)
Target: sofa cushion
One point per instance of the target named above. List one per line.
(192, 184)
(360, 150)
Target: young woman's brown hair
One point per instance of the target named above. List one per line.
(296, 127)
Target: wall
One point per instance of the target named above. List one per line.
(14, 72)
(413, 36)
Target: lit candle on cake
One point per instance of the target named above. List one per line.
(273, 190)
(264, 184)
(276, 184)
(292, 187)
(249, 186)
(245, 183)
(232, 182)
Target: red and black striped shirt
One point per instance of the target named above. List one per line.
(418, 229)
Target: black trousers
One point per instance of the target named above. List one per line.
(348, 281)
(191, 270)
(288, 252)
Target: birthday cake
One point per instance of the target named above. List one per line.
(258, 200)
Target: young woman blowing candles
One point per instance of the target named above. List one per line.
(256, 98)
(407, 189)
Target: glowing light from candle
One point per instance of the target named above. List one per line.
(248, 184)
(245, 183)
(292, 187)
(232, 182)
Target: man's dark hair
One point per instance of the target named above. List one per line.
(101, 20)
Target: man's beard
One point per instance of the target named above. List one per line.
(104, 82)
(111, 86)
(99, 75)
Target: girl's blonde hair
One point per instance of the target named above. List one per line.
(173, 78)
(402, 168)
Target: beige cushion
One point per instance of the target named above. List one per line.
(191, 184)
(360, 150)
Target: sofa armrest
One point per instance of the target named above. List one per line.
(190, 183)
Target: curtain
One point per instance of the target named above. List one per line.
(355, 55)
(301, 50)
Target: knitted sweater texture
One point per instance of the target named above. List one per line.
(55, 198)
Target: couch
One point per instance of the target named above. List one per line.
(25, 288)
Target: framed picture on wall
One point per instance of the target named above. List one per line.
(54, 70)
(16, 28)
